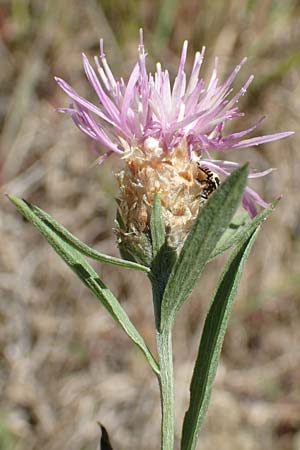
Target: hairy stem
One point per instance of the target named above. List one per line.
(164, 348)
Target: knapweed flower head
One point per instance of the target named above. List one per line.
(169, 136)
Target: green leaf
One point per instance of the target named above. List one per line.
(80, 246)
(158, 232)
(237, 224)
(211, 343)
(237, 233)
(136, 248)
(164, 258)
(87, 274)
(160, 272)
(211, 223)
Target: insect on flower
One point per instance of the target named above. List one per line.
(167, 135)
(208, 180)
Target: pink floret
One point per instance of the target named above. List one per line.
(150, 106)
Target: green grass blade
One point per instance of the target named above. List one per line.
(87, 274)
(210, 224)
(165, 21)
(81, 246)
(211, 343)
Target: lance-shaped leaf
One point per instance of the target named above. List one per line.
(211, 343)
(163, 260)
(87, 274)
(211, 223)
(81, 246)
(237, 231)
(238, 223)
(158, 232)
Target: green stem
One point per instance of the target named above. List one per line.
(164, 348)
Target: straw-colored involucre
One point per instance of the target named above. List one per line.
(183, 185)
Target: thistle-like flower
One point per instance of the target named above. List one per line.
(166, 136)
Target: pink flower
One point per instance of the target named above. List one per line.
(148, 106)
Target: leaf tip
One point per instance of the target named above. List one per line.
(156, 198)
(12, 199)
(245, 168)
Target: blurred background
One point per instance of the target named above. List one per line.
(64, 363)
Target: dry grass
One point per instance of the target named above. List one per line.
(64, 364)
